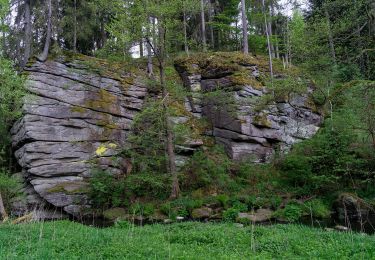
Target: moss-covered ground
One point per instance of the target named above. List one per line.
(68, 240)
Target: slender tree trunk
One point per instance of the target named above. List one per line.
(141, 54)
(3, 212)
(244, 28)
(203, 24)
(150, 68)
(330, 37)
(277, 50)
(186, 45)
(4, 38)
(28, 36)
(212, 37)
(270, 31)
(43, 57)
(268, 40)
(175, 192)
(75, 27)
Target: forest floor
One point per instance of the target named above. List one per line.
(191, 240)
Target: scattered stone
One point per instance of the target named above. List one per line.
(350, 207)
(168, 221)
(341, 228)
(261, 215)
(201, 213)
(239, 225)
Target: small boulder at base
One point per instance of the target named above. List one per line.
(114, 213)
(261, 215)
(201, 213)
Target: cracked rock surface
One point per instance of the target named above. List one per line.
(74, 121)
(247, 132)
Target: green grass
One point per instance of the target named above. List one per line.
(67, 240)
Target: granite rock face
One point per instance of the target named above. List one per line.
(246, 129)
(74, 121)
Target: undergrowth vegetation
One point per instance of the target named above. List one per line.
(67, 240)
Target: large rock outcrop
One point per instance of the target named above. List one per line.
(240, 122)
(78, 114)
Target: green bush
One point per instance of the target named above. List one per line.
(148, 185)
(141, 209)
(107, 191)
(207, 168)
(291, 213)
(231, 214)
(11, 101)
(10, 187)
(316, 208)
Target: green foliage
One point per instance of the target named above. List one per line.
(316, 208)
(291, 213)
(322, 163)
(11, 94)
(208, 168)
(141, 209)
(10, 187)
(231, 214)
(107, 191)
(152, 185)
(184, 240)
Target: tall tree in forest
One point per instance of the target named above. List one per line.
(245, 39)
(267, 26)
(28, 33)
(203, 26)
(75, 27)
(43, 56)
(167, 14)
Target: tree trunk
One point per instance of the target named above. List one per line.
(75, 27)
(175, 192)
(43, 57)
(141, 54)
(244, 28)
(150, 68)
(186, 45)
(266, 24)
(212, 37)
(330, 37)
(270, 32)
(3, 212)
(28, 36)
(203, 22)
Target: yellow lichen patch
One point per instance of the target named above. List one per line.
(262, 120)
(101, 150)
(112, 145)
(243, 78)
(78, 109)
(71, 188)
(105, 101)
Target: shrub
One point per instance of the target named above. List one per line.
(106, 190)
(231, 214)
(10, 187)
(316, 208)
(208, 168)
(142, 209)
(148, 185)
(292, 212)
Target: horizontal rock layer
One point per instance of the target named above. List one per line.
(74, 121)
